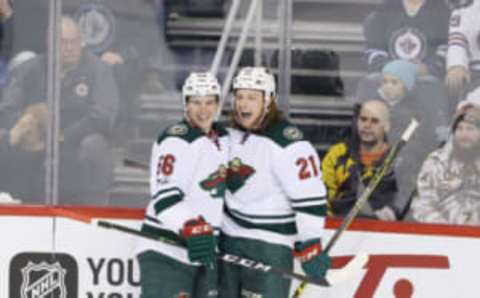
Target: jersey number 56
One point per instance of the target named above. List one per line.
(165, 165)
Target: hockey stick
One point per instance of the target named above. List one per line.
(361, 259)
(228, 258)
(132, 163)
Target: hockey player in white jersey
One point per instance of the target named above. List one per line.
(463, 56)
(275, 201)
(187, 185)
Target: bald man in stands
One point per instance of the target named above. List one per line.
(349, 166)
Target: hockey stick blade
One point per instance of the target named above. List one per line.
(232, 259)
(338, 276)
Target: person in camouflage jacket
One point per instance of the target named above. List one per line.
(449, 181)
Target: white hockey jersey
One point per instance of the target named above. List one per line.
(464, 37)
(275, 191)
(187, 179)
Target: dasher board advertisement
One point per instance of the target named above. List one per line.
(57, 253)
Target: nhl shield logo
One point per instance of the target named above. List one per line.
(43, 275)
(43, 280)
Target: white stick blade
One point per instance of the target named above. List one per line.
(354, 266)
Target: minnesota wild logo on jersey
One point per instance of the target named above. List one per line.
(238, 173)
(215, 183)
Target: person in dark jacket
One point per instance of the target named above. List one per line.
(349, 166)
(88, 108)
(414, 30)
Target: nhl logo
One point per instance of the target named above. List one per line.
(43, 275)
(40, 280)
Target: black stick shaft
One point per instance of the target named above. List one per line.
(232, 259)
(131, 163)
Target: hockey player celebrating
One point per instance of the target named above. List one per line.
(187, 171)
(275, 198)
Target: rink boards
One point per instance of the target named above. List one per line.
(56, 252)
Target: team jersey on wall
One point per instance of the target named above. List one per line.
(275, 191)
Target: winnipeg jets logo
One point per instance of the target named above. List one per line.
(82, 89)
(238, 174)
(97, 25)
(408, 44)
(215, 183)
(43, 280)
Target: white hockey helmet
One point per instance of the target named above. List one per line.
(256, 78)
(200, 84)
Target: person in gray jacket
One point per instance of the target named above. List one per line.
(88, 106)
(449, 181)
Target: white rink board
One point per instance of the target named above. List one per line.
(21, 234)
(396, 257)
(106, 258)
(96, 262)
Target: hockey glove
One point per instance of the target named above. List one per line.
(200, 240)
(314, 262)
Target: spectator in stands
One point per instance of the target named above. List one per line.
(449, 181)
(88, 107)
(463, 57)
(124, 34)
(414, 30)
(27, 26)
(397, 89)
(407, 97)
(349, 166)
